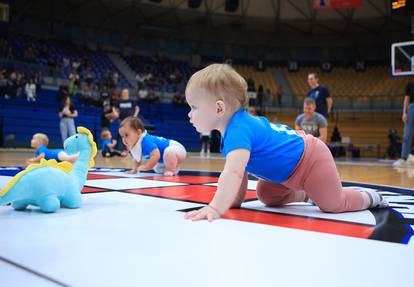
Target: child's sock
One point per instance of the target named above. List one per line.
(308, 200)
(375, 199)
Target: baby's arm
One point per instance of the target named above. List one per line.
(151, 162)
(36, 159)
(112, 145)
(229, 185)
(134, 169)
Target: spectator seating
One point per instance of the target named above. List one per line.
(56, 51)
(22, 119)
(264, 78)
(375, 81)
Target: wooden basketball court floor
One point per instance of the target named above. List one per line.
(130, 231)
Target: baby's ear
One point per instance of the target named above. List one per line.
(220, 108)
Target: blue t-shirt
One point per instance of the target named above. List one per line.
(320, 94)
(150, 143)
(49, 153)
(275, 150)
(105, 144)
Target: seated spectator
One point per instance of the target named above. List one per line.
(336, 136)
(115, 78)
(63, 92)
(85, 95)
(75, 65)
(73, 82)
(143, 93)
(394, 147)
(17, 85)
(140, 80)
(10, 53)
(89, 76)
(65, 63)
(109, 112)
(106, 79)
(104, 92)
(279, 95)
(4, 83)
(30, 90)
(115, 96)
(44, 52)
(178, 76)
(96, 100)
(4, 46)
(153, 96)
(52, 67)
(86, 63)
(312, 122)
(38, 81)
(29, 54)
(153, 107)
(179, 99)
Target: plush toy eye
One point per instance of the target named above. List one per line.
(76, 137)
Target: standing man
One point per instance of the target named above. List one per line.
(311, 122)
(408, 118)
(109, 111)
(320, 94)
(126, 108)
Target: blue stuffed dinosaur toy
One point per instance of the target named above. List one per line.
(50, 184)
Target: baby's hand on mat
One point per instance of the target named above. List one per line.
(207, 212)
(132, 171)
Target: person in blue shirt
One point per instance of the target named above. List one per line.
(108, 144)
(149, 151)
(39, 142)
(290, 165)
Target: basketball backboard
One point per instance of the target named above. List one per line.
(402, 59)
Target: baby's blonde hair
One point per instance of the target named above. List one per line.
(222, 82)
(105, 134)
(43, 138)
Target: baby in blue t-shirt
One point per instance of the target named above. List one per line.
(108, 144)
(39, 142)
(290, 166)
(149, 151)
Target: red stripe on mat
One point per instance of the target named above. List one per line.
(186, 178)
(298, 222)
(101, 176)
(196, 193)
(92, 189)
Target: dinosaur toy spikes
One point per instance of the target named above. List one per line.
(50, 184)
(87, 132)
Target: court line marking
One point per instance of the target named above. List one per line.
(48, 278)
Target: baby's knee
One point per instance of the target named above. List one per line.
(268, 199)
(168, 153)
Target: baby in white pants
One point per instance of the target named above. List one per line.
(149, 151)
